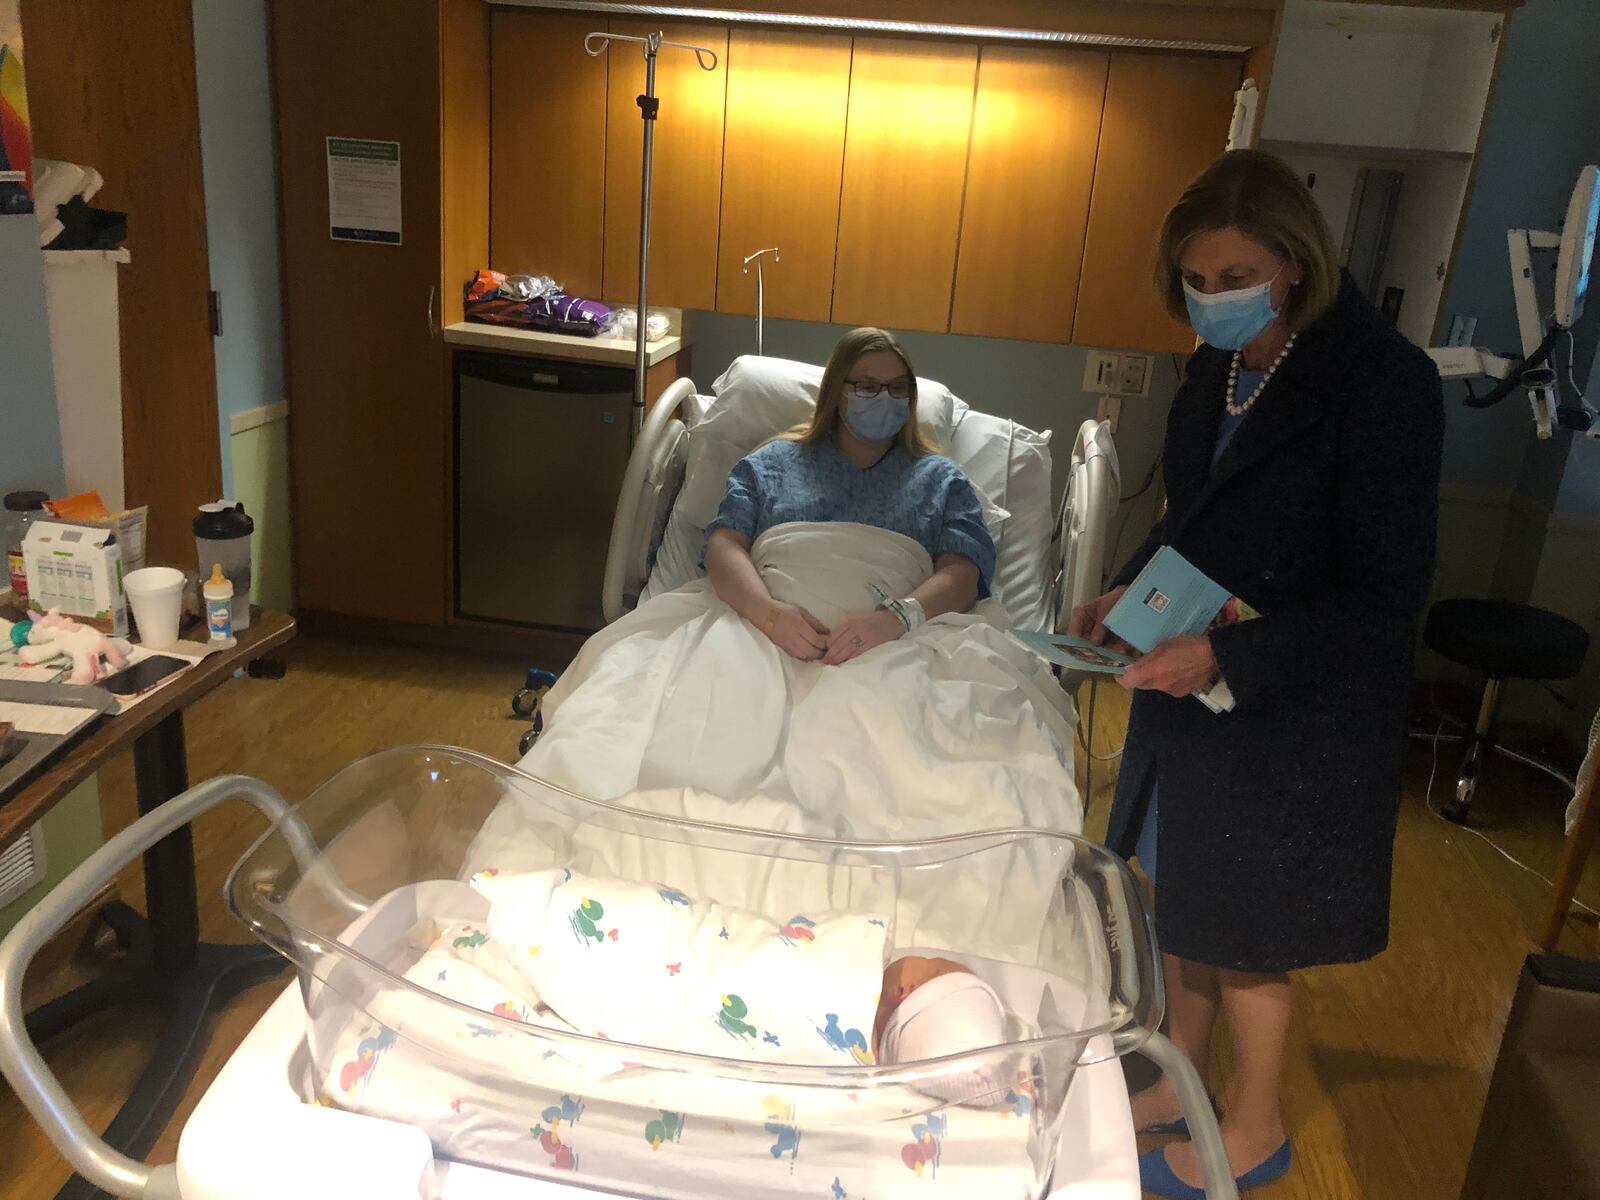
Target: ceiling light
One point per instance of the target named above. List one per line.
(734, 16)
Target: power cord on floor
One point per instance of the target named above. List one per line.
(1427, 800)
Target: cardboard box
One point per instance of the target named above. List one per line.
(76, 570)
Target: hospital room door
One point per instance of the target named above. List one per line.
(541, 447)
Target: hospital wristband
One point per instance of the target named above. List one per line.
(909, 611)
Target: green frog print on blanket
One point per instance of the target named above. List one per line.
(732, 1018)
(585, 922)
(668, 1127)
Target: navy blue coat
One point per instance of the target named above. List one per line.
(1276, 823)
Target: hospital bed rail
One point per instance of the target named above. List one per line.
(657, 459)
(20, 1061)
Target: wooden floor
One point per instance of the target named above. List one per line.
(1387, 1062)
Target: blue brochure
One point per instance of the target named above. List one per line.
(1168, 599)
(1075, 653)
(1171, 598)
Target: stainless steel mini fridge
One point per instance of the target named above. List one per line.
(541, 447)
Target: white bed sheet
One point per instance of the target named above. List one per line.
(683, 707)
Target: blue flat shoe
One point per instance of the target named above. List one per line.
(1179, 1127)
(1157, 1176)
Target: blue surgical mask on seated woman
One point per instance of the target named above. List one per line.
(875, 418)
(1231, 320)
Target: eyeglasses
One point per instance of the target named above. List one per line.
(868, 389)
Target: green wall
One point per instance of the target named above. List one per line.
(261, 481)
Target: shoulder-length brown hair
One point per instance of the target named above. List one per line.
(830, 396)
(1259, 195)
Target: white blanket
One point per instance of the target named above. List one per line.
(486, 1093)
(654, 966)
(683, 707)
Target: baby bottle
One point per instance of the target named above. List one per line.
(219, 607)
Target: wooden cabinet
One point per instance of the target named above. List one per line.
(1035, 132)
(1003, 191)
(687, 175)
(366, 373)
(783, 151)
(548, 182)
(1166, 118)
(904, 167)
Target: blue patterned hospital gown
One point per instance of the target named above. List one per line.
(928, 499)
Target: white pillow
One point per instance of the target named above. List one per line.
(1011, 464)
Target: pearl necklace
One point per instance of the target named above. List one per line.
(1237, 409)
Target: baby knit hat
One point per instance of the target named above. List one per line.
(951, 1014)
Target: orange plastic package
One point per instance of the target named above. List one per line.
(85, 506)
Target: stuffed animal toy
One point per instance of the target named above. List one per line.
(52, 636)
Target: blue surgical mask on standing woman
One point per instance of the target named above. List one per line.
(1231, 320)
(875, 418)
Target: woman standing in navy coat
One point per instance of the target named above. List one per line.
(1302, 472)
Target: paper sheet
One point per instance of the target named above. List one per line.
(58, 719)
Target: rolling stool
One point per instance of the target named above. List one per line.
(1503, 640)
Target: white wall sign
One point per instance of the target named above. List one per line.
(364, 190)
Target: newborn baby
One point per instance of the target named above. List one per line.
(653, 966)
(932, 1007)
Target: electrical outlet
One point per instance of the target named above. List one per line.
(1110, 409)
(1101, 371)
(1134, 377)
(1107, 373)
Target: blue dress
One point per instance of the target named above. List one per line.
(928, 499)
(1146, 850)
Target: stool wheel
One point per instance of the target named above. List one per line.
(524, 702)
(526, 741)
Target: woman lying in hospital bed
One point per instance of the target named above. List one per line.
(843, 671)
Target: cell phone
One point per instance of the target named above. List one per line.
(143, 675)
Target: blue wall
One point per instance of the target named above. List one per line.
(30, 437)
(240, 170)
(1543, 126)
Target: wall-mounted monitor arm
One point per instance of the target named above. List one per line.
(1539, 326)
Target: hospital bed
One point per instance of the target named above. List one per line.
(1048, 558)
(361, 1081)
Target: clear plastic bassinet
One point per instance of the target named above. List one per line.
(356, 884)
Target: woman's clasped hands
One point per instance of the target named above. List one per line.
(799, 634)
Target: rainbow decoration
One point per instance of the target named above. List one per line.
(16, 142)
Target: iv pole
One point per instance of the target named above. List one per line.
(761, 295)
(595, 44)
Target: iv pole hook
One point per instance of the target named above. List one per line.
(760, 292)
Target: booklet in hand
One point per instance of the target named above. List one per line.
(1074, 653)
(1173, 598)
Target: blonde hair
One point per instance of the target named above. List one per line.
(1259, 195)
(830, 396)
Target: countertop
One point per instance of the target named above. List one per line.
(613, 351)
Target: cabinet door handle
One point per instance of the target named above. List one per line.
(431, 291)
